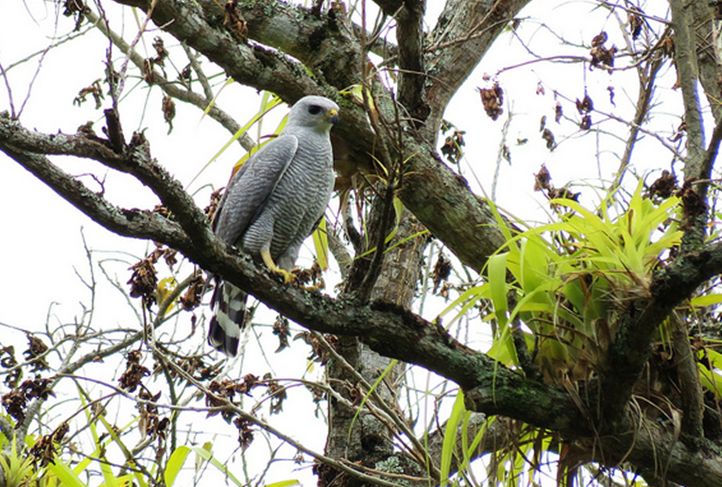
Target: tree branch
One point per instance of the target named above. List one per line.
(389, 7)
(688, 379)
(647, 83)
(412, 75)
(707, 54)
(382, 327)
(639, 321)
(430, 187)
(171, 88)
(129, 223)
(687, 73)
(466, 30)
(18, 141)
(200, 25)
(324, 43)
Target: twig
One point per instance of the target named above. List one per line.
(229, 405)
(409, 31)
(420, 451)
(202, 78)
(644, 101)
(712, 149)
(339, 252)
(363, 293)
(170, 88)
(115, 94)
(353, 235)
(654, 134)
(685, 60)
(500, 154)
(4, 74)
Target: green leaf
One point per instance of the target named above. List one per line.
(366, 396)
(212, 103)
(114, 436)
(108, 476)
(449, 444)
(175, 464)
(320, 244)
(706, 300)
(67, 477)
(239, 133)
(284, 483)
(468, 299)
(470, 450)
(533, 268)
(126, 480)
(715, 358)
(496, 273)
(710, 380)
(503, 349)
(207, 456)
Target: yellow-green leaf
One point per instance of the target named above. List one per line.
(449, 444)
(496, 273)
(284, 483)
(67, 477)
(706, 300)
(175, 464)
(165, 287)
(320, 244)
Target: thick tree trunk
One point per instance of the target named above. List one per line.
(362, 437)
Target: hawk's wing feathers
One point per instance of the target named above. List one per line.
(250, 188)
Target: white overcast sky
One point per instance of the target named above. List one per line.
(41, 241)
(42, 236)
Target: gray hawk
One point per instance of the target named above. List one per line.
(271, 205)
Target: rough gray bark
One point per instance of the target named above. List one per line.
(370, 440)
(702, 19)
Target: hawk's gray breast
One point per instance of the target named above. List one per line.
(272, 204)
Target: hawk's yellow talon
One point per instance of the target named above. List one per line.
(288, 277)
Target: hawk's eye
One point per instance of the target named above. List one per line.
(314, 109)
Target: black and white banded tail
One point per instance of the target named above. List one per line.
(229, 307)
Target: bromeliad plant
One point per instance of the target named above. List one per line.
(560, 285)
(556, 290)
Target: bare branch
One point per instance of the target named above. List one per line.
(687, 73)
(648, 78)
(712, 149)
(129, 223)
(17, 141)
(412, 73)
(172, 88)
(475, 24)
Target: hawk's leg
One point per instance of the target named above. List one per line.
(288, 277)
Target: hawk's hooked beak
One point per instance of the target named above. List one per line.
(332, 116)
